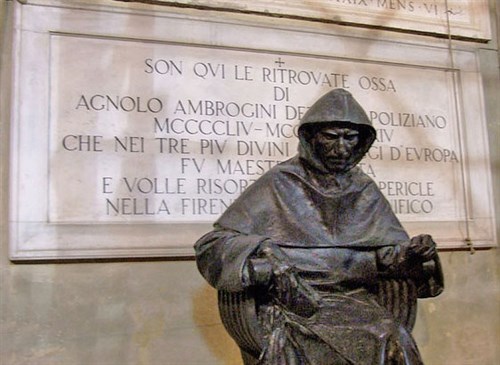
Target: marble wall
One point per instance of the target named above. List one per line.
(158, 117)
(162, 312)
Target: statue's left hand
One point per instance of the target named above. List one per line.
(422, 247)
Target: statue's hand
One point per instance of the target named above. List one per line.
(269, 250)
(271, 267)
(284, 283)
(422, 248)
(286, 286)
(262, 266)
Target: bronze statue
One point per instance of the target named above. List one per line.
(311, 264)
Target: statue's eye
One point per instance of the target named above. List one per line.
(352, 135)
(330, 136)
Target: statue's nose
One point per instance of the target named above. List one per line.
(342, 148)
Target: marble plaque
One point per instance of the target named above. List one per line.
(131, 145)
(461, 18)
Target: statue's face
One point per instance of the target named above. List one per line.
(335, 146)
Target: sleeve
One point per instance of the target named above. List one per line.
(222, 257)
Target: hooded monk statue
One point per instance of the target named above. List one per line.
(315, 267)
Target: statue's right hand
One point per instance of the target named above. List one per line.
(260, 271)
(268, 249)
(293, 293)
(283, 281)
(268, 266)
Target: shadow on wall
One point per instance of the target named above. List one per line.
(207, 319)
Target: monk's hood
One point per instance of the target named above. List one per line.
(336, 108)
